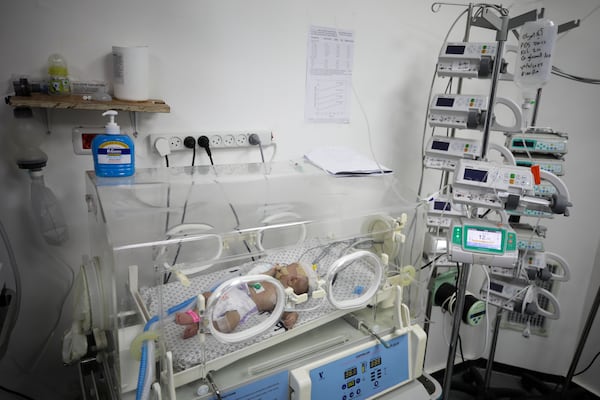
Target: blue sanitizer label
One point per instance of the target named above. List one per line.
(114, 153)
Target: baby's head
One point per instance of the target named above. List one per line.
(294, 276)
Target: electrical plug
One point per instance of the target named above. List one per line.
(189, 142)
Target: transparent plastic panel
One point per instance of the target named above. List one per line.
(164, 237)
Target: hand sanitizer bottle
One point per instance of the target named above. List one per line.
(113, 152)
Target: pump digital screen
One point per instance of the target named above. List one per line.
(444, 102)
(477, 175)
(523, 143)
(455, 49)
(349, 373)
(484, 239)
(351, 384)
(442, 206)
(437, 145)
(496, 287)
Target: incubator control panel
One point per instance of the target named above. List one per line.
(359, 375)
(467, 60)
(457, 111)
(442, 152)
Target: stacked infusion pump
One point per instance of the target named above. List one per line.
(478, 218)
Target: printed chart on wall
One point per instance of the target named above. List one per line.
(329, 75)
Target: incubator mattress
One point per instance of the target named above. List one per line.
(188, 352)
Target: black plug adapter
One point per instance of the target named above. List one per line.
(204, 143)
(189, 142)
(254, 139)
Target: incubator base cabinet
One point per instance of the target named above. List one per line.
(249, 282)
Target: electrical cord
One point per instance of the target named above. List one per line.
(7, 390)
(190, 143)
(589, 365)
(429, 101)
(204, 142)
(254, 140)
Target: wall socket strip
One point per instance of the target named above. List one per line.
(217, 140)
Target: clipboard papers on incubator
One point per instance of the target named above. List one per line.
(342, 161)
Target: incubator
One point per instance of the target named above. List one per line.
(222, 281)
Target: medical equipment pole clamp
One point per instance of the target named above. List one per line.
(213, 385)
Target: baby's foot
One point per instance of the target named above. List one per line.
(190, 330)
(182, 318)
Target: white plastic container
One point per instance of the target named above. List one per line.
(130, 73)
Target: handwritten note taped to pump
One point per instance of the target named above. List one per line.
(536, 45)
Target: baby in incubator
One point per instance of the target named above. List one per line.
(237, 304)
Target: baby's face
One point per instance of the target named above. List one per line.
(297, 281)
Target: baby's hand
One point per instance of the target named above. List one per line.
(289, 319)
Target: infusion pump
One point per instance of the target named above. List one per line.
(462, 111)
(477, 241)
(467, 60)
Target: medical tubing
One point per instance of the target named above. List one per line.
(429, 100)
(142, 378)
(146, 370)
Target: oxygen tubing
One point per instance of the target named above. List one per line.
(147, 358)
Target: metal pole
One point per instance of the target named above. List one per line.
(429, 306)
(457, 311)
(490, 361)
(500, 38)
(582, 340)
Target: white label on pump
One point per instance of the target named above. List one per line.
(114, 152)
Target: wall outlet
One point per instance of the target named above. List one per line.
(217, 140)
(82, 138)
(176, 143)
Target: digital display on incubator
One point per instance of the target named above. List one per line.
(455, 50)
(350, 384)
(349, 373)
(484, 239)
(477, 175)
(437, 145)
(444, 102)
(496, 287)
(375, 362)
(442, 206)
(523, 143)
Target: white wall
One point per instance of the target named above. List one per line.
(238, 64)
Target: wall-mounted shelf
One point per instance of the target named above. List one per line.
(38, 100)
(74, 102)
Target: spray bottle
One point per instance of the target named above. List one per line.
(113, 152)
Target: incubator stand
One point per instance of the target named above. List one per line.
(163, 237)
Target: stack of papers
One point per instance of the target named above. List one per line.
(341, 161)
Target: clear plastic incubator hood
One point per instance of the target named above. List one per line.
(218, 281)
